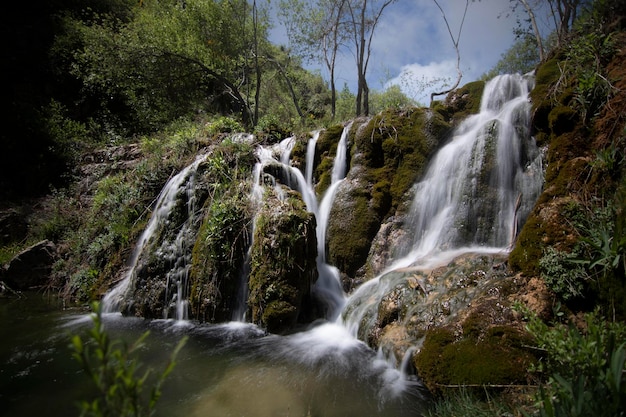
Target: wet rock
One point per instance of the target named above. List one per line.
(32, 267)
(283, 264)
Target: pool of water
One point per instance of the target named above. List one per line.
(232, 369)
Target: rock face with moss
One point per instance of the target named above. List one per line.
(181, 259)
(217, 276)
(282, 264)
(159, 275)
(583, 197)
(388, 154)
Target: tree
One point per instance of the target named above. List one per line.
(391, 98)
(172, 59)
(317, 32)
(562, 13)
(455, 43)
(363, 17)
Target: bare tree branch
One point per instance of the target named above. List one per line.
(455, 42)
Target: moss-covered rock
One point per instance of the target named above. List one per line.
(283, 264)
(323, 161)
(495, 355)
(461, 102)
(218, 257)
(389, 154)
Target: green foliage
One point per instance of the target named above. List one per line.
(345, 104)
(586, 57)
(60, 218)
(67, 135)
(223, 124)
(606, 249)
(271, 128)
(585, 367)
(562, 273)
(121, 390)
(463, 402)
(391, 98)
(114, 211)
(219, 252)
(570, 351)
(603, 395)
(522, 57)
(82, 284)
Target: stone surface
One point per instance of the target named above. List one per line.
(31, 268)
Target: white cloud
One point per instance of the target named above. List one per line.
(412, 38)
(419, 81)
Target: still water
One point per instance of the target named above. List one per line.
(232, 369)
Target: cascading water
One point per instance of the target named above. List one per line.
(478, 189)
(482, 182)
(174, 250)
(328, 285)
(310, 157)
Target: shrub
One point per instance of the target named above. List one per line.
(121, 390)
(584, 368)
(562, 274)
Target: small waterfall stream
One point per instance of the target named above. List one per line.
(175, 250)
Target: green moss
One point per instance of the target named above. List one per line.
(325, 151)
(223, 237)
(496, 357)
(546, 76)
(396, 146)
(283, 263)
(562, 119)
(218, 257)
(393, 149)
(298, 153)
(528, 247)
(461, 102)
(564, 177)
(353, 227)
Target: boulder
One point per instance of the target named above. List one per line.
(31, 267)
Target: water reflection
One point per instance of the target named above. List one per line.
(232, 369)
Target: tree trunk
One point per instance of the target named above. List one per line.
(257, 93)
(533, 22)
(292, 91)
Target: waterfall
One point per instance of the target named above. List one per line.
(328, 285)
(274, 163)
(476, 192)
(475, 186)
(473, 197)
(310, 157)
(171, 249)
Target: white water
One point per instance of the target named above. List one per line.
(328, 286)
(184, 181)
(450, 209)
(310, 157)
(450, 213)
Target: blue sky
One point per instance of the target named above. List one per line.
(412, 46)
